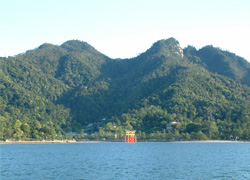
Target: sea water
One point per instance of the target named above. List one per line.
(120, 161)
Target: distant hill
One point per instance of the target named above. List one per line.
(221, 62)
(57, 89)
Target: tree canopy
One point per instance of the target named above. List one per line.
(53, 90)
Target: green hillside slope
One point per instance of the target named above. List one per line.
(57, 89)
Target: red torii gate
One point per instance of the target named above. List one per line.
(130, 137)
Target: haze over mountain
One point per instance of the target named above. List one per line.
(57, 89)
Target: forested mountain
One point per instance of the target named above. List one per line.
(57, 89)
(221, 62)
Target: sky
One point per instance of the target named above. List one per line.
(125, 28)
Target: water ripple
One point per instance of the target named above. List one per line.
(120, 161)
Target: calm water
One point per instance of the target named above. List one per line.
(142, 161)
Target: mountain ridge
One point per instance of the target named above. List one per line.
(66, 88)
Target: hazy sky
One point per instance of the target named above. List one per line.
(125, 28)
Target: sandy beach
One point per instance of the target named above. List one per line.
(37, 142)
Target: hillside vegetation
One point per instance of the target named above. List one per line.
(52, 90)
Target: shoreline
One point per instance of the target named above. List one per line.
(38, 142)
(203, 141)
(100, 141)
(212, 141)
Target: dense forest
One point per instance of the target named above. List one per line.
(165, 93)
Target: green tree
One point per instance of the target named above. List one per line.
(48, 132)
(198, 136)
(26, 129)
(185, 136)
(177, 134)
(59, 135)
(169, 135)
(82, 133)
(36, 135)
(101, 132)
(164, 134)
(158, 135)
(213, 131)
(2, 127)
(143, 136)
(37, 125)
(18, 133)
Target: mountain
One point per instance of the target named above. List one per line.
(221, 62)
(57, 89)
